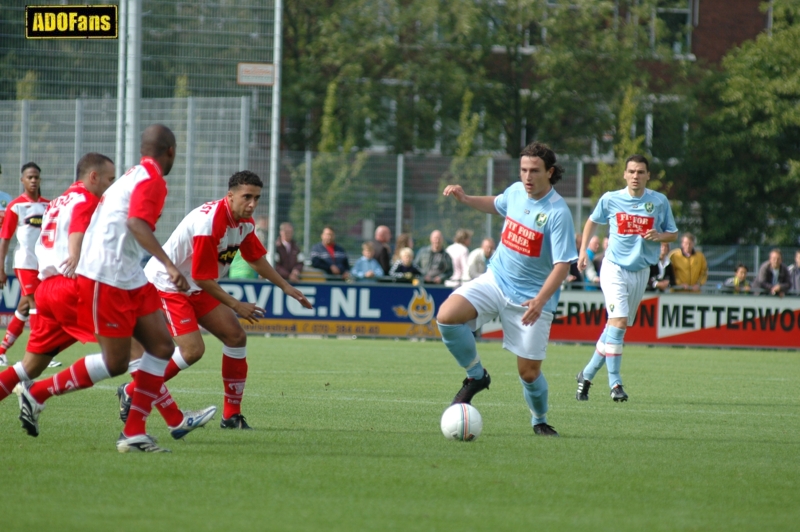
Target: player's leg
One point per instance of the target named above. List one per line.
(30, 367)
(618, 322)
(586, 375)
(466, 310)
(223, 323)
(529, 343)
(17, 324)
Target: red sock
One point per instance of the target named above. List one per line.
(171, 371)
(12, 333)
(234, 375)
(146, 390)
(8, 379)
(75, 377)
(168, 408)
(129, 388)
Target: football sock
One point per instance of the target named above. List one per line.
(133, 367)
(598, 358)
(234, 375)
(614, 354)
(11, 377)
(81, 375)
(460, 341)
(168, 408)
(535, 394)
(176, 365)
(13, 332)
(148, 381)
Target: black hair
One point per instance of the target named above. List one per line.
(90, 161)
(245, 177)
(740, 265)
(638, 159)
(546, 154)
(30, 165)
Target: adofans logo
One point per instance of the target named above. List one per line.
(71, 22)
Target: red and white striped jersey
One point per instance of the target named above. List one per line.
(69, 213)
(204, 245)
(24, 216)
(110, 253)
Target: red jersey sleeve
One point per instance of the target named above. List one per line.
(147, 200)
(251, 248)
(9, 223)
(82, 214)
(204, 258)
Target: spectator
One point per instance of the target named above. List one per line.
(794, 274)
(330, 257)
(403, 270)
(383, 251)
(591, 279)
(574, 276)
(262, 229)
(661, 275)
(738, 283)
(367, 267)
(689, 266)
(433, 262)
(773, 275)
(288, 260)
(459, 256)
(593, 252)
(404, 240)
(479, 258)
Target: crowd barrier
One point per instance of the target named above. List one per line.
(398, 310)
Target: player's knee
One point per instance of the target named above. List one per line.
(529, 374)
(163, 350)
(115, 366)
(235, 338)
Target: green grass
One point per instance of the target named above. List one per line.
(347, 438)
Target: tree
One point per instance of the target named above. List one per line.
(743, 167)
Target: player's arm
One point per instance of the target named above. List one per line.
(551, 284)
(480, 203)
(588, 233)
(654, 236)
(266, 271)
(74, 252)
(140, 229)
(248, 311)
(4, 244)
(6, 233)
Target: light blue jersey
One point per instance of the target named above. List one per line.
(629, 219)
(536, 235)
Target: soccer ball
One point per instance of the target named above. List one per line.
(462, 422)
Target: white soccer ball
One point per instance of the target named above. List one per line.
(461, 422)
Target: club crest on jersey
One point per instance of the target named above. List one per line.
(227, 256)
(34, 220)
(541, 219)
(611, 307)
(648, 207)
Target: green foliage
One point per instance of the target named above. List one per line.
(742, 168)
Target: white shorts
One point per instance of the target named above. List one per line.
(525, 341)
(623, 290)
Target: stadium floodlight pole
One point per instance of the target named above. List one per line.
(133, 82)
(275, 141)
(122, 54)
(398, 207)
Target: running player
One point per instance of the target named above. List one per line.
(639, 220)
(203, 247)
(521, 284)
(23, 216)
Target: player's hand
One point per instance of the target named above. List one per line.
(177, 278)
(3, 277)
(456, 191)
(68, 267)
(294, 293)
(249, 311)
(583, 260)
(534, 311)
(652, 235)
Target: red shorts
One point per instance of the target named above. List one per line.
(54, 321)
(113, 311)
(182, 311)
(28, 281)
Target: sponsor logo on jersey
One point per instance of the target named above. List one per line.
(632, 224)
(521, 239)
(34, 220)
(227, 256)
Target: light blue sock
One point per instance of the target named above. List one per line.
(461, 344)
(598, 359)
(535, 394)
(614, 355)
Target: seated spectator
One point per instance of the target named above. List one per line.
(479, 258)
(288, 260)
(328, 256)
(661, 275)
(459, 255)
(403, 270)
(383, 251)
(574, 276)
(773, 275)
(738, 284)
(794, 274)
(433, 262)
(367, 267)
(689, 265)
(404, 240)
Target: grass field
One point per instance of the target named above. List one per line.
(347, 438)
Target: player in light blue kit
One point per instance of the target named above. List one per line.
(522, 282)
(639, 220)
